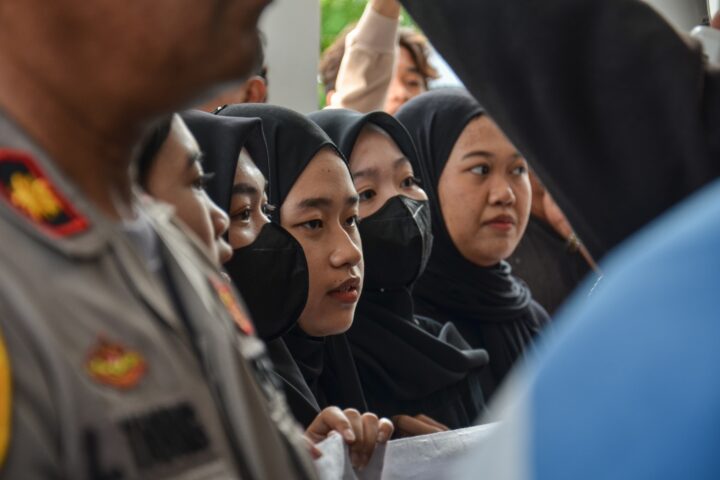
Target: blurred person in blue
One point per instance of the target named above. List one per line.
(622, 389)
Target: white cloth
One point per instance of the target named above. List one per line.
(427, 457)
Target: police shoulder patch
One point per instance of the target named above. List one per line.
(231, 304)
(5, 401)
(26, 188)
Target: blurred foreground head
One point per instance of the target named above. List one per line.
(139, 57)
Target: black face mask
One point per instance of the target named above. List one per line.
(272, 276)
(397, 240)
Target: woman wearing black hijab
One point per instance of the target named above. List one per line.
(480, 197)
(235, 149)
(407, 364)
(294, 308)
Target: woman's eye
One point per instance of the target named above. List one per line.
(413, 83)
(352, 221)
(366, 195)
(201, 182)
(312, 224)
(243, 215)
(521, 170)
(411, 182)
(480, 170)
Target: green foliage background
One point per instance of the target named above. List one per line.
(336, 14)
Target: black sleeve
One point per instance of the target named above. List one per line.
(608, 103)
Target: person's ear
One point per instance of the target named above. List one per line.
(256, 90)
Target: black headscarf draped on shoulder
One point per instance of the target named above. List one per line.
(492, 309)
(316, 372)
(408, 365)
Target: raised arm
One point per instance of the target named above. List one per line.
(369, 61)
(610, 105)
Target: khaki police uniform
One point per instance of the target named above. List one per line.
(111, 371)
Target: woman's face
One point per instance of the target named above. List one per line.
(381, 171)
(406, 83)
(484, 194)
(321, 212)
(249, 207)
(176, 177)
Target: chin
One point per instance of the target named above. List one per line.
(339, 325)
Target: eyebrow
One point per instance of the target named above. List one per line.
(324, 202)
(373, 172)
(243, 188)
(478, 153)
(484, 154)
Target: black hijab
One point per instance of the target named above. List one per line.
(316, 372)
(407, 365)
(491, 308)
(221, 139)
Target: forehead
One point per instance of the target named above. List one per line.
(326, 176)
(248, 172)
(181, 133)
(371, 142)
(482, 133)
(177, 154)
(405, 60)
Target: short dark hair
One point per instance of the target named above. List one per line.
(150, 147)
(413, 41)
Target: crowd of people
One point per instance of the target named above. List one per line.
(210, 292)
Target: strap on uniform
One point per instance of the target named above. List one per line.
(5, 401)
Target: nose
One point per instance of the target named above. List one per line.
(220, 224)
(347, 253)
(501, 192)
(220, 219)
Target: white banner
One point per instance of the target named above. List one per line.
(428, 457)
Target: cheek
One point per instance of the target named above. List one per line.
(367, 208)
(239, 236)
(462, 204)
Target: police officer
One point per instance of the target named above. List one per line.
(124, 353)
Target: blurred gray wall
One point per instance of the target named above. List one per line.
(292, 29)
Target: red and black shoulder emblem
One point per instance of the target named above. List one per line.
(227, 297)
(26, 188)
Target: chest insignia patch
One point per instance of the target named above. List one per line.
(227, 297)
(28, 190)
(114, 365)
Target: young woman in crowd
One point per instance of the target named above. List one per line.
(407, 364)
(269, 263)
(170, 169)
(479, 190)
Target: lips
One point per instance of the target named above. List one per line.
(348, 292)
(501, 222)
